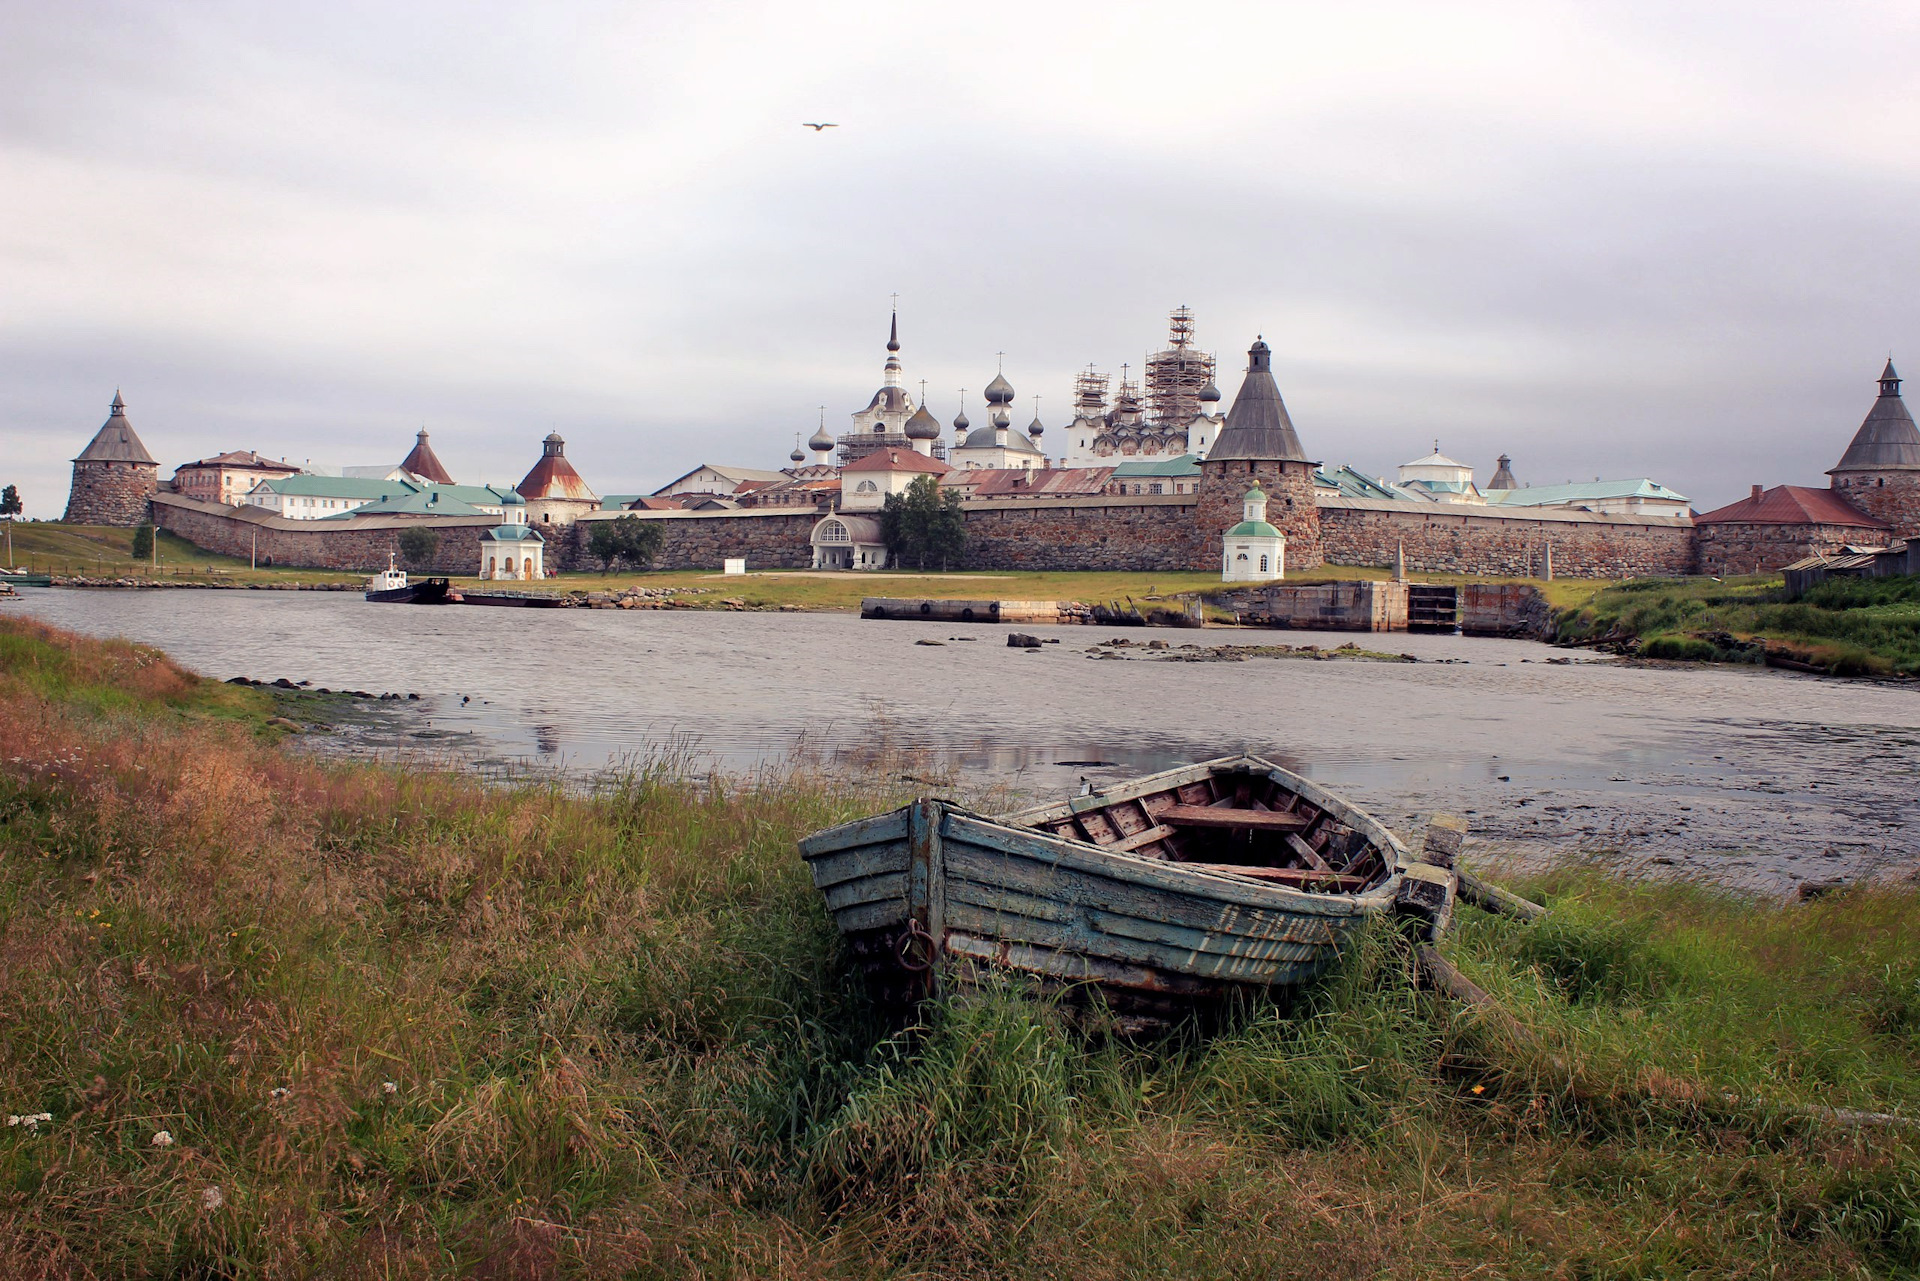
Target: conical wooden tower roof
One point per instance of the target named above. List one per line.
(115, 442)
(1887, 440)
(1258, 426)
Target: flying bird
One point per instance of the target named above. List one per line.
(808, 124)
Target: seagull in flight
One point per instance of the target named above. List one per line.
(808, 124)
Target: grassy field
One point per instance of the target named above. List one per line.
(396, 1024)
(1849, 627)
(101, 550)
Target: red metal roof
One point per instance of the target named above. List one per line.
(899, 460)
(424, 463)
(1791, 505)
(1053, 482)
(239, 458)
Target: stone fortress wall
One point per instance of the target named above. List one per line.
(111, 493)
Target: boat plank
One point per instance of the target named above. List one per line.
(871, 916)
(1214, 816)
(870, 889)
(997, 897)
(1300, 944)
(869, 860)
(1242, 966)
(1282, 875)
(1307, 852)
(1158, 832)
(986, 843)
(1198, 909)
(891, 826)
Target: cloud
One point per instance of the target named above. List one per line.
(1606, 239)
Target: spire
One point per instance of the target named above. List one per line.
(1887, 439)
(893, 353)
(119, 406)
(1503, 476)
(1258, 426)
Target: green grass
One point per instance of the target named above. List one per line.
(413, 1026)
(1847, 626)
(105, 551)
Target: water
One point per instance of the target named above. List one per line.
(1761, 777)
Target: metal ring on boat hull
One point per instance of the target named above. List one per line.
(914, 931)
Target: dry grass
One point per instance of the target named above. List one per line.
(410, 1026)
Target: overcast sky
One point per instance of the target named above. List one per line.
(1607, 239)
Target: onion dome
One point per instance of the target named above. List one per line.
(820, 442)
(999, 391)
(1000, 417)
(1034, 428)
(893, 335)
(513, 499)
(923, 425)
(1210, 394)
(796, 456)
(960, 423)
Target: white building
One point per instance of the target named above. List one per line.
(308, 497)
(1253, 551)
(996, 446)
(515, 552)
(865, 485)
(723, 480)
(1637, 497)
(848, 542)
(1440, 479)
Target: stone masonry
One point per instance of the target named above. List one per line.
(1359, 531)
(111, 493)
(1290, 508)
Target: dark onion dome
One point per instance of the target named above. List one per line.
(923, 425)
(1887, 440)
(999, 417)
(960, 423)
(797, 456)
(820, 442)
(999, 391)
(1210, 394)
(1034, 428)
(1258, 427)
(115, 441)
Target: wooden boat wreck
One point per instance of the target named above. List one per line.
(1164, 892)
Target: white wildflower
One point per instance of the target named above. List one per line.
(280, 1092)
(31, 1120)
(211, 1198)
(163, 1139)
(388, 1087)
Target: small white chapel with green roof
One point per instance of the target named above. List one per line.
(1253, 551)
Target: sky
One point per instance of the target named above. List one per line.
(1610, 240)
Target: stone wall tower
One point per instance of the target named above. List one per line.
(114, 478)
(1880, 472)
(1258, 446)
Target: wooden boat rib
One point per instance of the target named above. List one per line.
(1191, 884)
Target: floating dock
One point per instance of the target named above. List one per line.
(973, 611)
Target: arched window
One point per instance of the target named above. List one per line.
(866, 487)
(509, 567)
(493, 563)
(1263, 564)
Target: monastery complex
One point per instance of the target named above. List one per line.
(1150, 475)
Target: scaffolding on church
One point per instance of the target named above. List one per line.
(1090, 394)
(1177, 375)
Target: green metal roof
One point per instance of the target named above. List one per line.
(511, 534)
(1589, 491)
(1186, 465)
(422, 503)
(1253, 529)
(1354, 484)
(309, 486)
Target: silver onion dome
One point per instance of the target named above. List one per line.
(999, 391)
(923, 425)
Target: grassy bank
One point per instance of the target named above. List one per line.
(1846, 626)
(94, 551)
(396, 1024)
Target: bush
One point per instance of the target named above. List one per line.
(142, 545)
(1685, 649)
(418, 545)
(626, 538)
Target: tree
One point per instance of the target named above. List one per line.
(924, 526)
(142, 542)
(10, 504)
(626, 538)
(417, 546)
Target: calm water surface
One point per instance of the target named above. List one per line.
(1797, 776)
